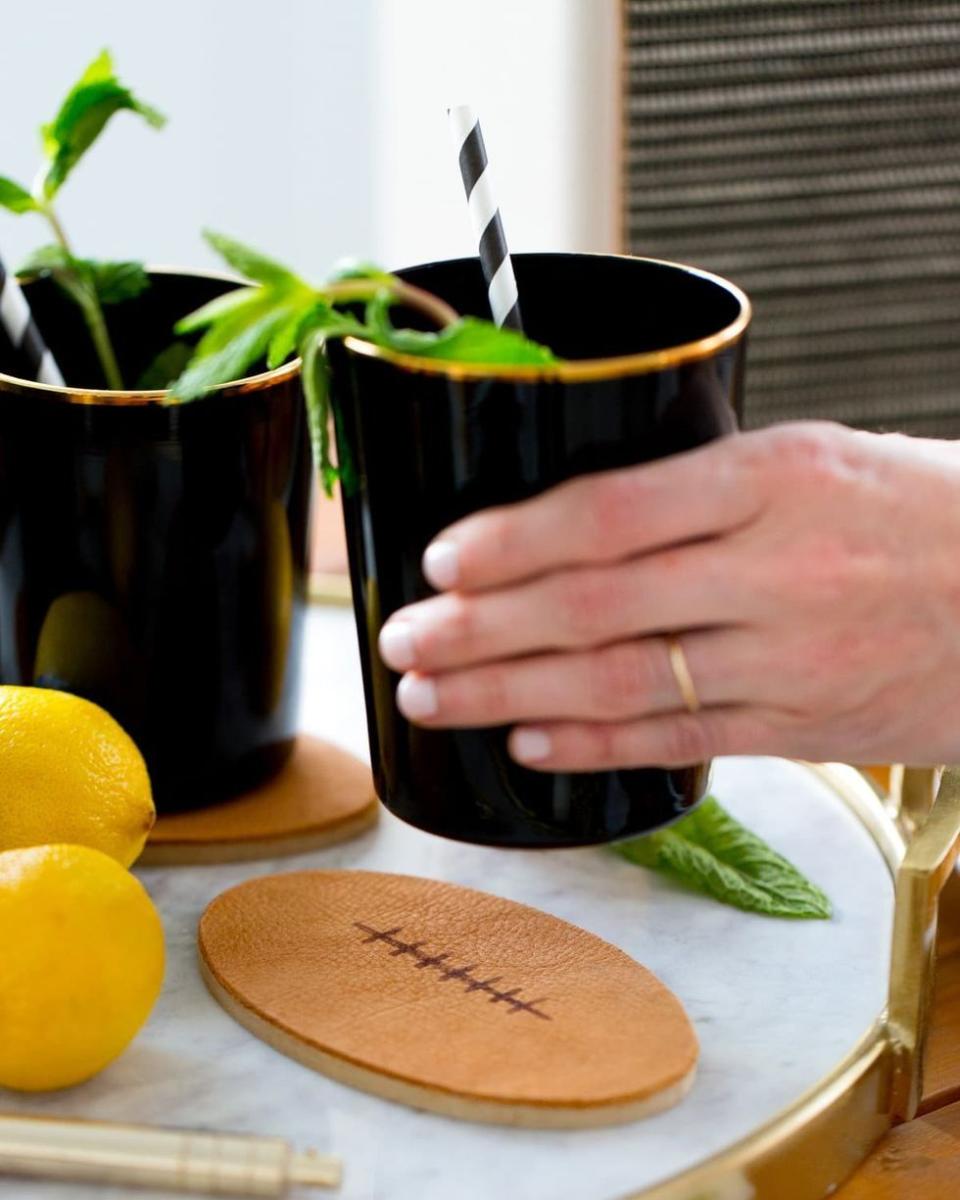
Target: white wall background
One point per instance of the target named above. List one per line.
(316, 128)
(543, 77)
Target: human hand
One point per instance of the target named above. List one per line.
(811, 574)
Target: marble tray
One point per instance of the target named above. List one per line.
(776, 1004)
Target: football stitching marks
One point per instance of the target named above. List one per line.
(424, 961)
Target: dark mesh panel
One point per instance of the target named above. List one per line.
(810, 152)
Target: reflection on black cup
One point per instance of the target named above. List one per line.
(655, 367)
(153, 556)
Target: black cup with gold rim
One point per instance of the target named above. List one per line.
(153, 555)
(654, 366)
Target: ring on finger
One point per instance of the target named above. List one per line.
(681, 673)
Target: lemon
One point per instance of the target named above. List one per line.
(69, 773)
(81, 966)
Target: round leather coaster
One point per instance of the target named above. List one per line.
(322, 795)
(447, 999)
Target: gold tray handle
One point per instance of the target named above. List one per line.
(932, 816)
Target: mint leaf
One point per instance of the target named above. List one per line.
(91, 102)
(227, 352)
(68, 272)
(476, 341)
(164, 369)
(116, 281)
(216, 309)
(273, 320)
(469, 339)
(256, 305)
(316, 333)
(251, 263)
(16, 198)
(316, 390)
(44, 260)
(357, 268)
(110, 282)
(313, 314)
(714, 853)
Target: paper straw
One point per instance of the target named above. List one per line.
(21, 329)
(487, 223)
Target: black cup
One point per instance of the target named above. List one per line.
(655, 366)
(153, 556)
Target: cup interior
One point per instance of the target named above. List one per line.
(589, 306)
(140, 327)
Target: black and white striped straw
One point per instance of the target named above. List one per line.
(487, 223)
(21, 329)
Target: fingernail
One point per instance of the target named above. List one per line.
(417, 697)
(396, 646)
(530, 745)
(441, 564)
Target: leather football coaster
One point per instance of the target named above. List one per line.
(320, 796)
(447, 999)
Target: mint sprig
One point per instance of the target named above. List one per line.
(712, 852)
(283, 314)
(96, 97)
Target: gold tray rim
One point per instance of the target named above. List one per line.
(808, 1148)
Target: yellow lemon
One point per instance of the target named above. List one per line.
(69, 773)
(81, 966)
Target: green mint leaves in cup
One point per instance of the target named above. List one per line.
(713, 853)
(283, 314)
(97, 96)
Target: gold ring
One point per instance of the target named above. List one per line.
(681, 673)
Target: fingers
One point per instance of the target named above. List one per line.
(613, 683)
(694, 586)
(600, 518)
(674, 740)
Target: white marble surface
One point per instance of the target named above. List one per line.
(776, 1004)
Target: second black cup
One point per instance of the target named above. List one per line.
(153, 555)
(653, 366)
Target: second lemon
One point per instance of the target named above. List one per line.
(70, 774)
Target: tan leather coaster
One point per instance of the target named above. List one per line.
(447, 999)
(322, 795)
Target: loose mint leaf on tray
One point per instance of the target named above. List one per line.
(91, 102)
(15, 198)
(714, 853)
